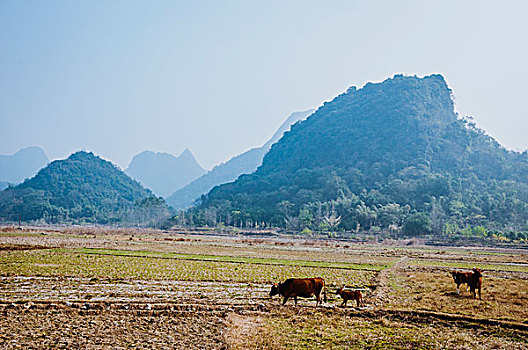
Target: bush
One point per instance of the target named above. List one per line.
(306, 231)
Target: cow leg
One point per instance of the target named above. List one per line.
(295, 298)
(285, 300)
(480, 298)
(357, 302)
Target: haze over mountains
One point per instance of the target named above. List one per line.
(22, 165)
(244, 163)
(164, 173)
(377, 156)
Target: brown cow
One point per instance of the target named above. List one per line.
(461, 277)
(475, 282)
(473, 279)
(350, 295)
(300, 287)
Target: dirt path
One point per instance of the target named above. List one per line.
(386, 280)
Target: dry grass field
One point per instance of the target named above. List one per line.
(116, 289)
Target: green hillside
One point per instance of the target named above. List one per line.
(387, 156)
(81, 189)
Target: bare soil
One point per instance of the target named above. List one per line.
(67, 328)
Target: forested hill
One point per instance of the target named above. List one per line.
(81, 188)
(377, 156)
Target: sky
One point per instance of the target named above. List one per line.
(219, 77)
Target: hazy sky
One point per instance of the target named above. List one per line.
(218, 77)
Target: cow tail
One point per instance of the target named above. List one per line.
(324, 291)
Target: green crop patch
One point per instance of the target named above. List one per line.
(75, 263)
(230, 259)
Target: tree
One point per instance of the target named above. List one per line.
(390, 214)
(438, 219)
(306, 218)
(285, 207)
(292, 223)
(331, 218)
(417, 224)
(210, 216)
(365, 215)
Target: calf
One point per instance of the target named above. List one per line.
(300, 287)
(461, 277)
(350, 295)
(475, 282)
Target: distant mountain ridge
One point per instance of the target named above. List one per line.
(82, 188)
(244, 163)
(391, 153)
(164, 173)
(22, 165)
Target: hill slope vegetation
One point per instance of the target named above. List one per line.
(81, 189)
(389, 156)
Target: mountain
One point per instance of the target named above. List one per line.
(22, 165)
(386, 156)
(229, 171)
(82, 188)
(164, 173)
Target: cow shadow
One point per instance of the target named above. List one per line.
(454, 294)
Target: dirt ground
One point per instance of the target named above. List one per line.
(67, 328)
(211, 292)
